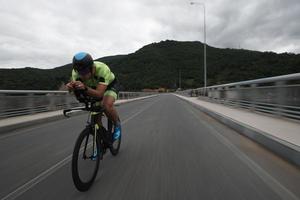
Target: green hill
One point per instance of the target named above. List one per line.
(157, 65)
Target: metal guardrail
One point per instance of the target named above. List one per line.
(24, 102)
(278, 95)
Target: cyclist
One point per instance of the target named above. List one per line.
(97, 80)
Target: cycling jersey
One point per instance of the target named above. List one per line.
(103, 75)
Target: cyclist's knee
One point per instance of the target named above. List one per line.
(108, 102)
(108, 106)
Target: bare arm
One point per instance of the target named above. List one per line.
(98, 92)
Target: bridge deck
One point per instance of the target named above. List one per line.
(170, 150)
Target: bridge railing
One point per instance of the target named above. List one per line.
(24, 102)
(278, 95)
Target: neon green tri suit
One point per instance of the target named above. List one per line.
(102, 75)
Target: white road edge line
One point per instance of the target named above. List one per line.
(28, 185)
(274, 184)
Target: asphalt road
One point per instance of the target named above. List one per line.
(170, 150)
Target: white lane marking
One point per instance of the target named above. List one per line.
(137, 113)
(275, 185)
(37, 179)
(25, 187)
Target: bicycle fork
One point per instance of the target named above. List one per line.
(96, 128)
(94, 143)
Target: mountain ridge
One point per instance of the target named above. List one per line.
(158, 65)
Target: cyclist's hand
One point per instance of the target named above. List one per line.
(70, 85)
(79, 85)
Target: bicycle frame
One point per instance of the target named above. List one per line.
(94, 112)
(102, 138)
(95, 127)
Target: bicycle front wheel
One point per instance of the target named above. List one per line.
(85, 160)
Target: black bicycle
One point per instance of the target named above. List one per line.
(92, 142)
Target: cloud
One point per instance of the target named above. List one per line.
(260, 25)
(46, 34)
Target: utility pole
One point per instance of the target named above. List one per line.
(204, 44)
(180, 78)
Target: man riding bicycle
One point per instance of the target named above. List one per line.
(97, 80)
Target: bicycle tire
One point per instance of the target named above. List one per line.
(80, 184)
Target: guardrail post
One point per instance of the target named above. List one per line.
(281, 95)
(252, 105)
(51, 105)
(29, 103)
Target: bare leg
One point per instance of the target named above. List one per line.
(110, 111)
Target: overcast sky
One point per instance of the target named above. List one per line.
(46, 33)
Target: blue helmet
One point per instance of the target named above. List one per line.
(82, 63)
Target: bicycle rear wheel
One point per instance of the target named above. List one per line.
(85, 161)
(116, 144)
